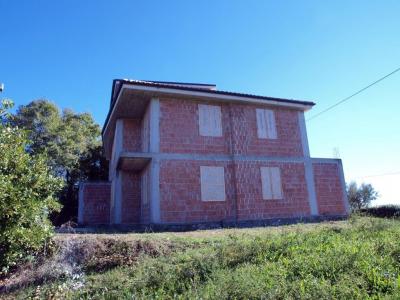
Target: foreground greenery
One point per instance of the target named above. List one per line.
(355, 259)
(72, 145)
(27, 197)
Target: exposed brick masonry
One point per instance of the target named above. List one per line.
(96, 197)
(329, 189)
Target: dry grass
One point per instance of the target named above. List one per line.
(101, 265)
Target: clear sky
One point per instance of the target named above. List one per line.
(69, 52)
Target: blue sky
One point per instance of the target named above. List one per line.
(69, 52)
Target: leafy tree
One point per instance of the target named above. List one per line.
(72, 144)
(361, 196)
(27, 196)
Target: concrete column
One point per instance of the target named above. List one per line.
(115, 175)
(81, 207)
(155, 125)
(154, 191)
(118, 197)
(343, 183)
(154, 177)
(309, 173)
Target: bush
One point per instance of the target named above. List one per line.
(26, 198)
(384, 211)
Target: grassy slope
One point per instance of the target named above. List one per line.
(359, 258)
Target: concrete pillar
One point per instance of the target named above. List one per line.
(154, 181)
(115, 175)
(81, 202)
(309, 173)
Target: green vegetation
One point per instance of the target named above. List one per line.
(383, 211)
(355, 259)
(72, 144)
(27, 192)
(360, 197)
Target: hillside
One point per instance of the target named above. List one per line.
(354, 259)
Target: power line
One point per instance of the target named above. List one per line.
(351, 96)
(380, 175)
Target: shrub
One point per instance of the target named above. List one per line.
(384, 211)
(360, 196)
(26, 198)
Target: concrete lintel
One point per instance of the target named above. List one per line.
(326, 160)
(212, 157)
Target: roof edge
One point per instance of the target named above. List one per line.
(158, 86)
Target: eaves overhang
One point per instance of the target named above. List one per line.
(159, 89)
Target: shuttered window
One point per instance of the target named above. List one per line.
(210, 120)
(271, 183)
(212, 180)
(266, 126)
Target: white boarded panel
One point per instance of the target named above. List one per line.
(276, 183)
(271, 125)
(212, 181)
(261, 124)
(203, 124)
(210, 120)
(266, 183)
(216, 120)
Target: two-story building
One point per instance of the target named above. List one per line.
(184, 153)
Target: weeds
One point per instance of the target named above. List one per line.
(348, 260)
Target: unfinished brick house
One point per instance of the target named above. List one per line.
(185, 153)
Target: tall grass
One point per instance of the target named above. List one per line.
(358, 259)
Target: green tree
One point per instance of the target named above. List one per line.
(27, 196)
(72, 144)
(360, 196)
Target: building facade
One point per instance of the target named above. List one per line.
(184, 153)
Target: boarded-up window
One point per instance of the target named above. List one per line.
(212, 180)
(271, 183)
(266, 126)
(210, 120)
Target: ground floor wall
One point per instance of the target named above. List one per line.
(178, 199)
(94, 203)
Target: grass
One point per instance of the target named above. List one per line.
(354, 259)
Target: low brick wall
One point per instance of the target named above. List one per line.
(329, 188)
(94, 203)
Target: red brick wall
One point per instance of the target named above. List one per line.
(180, 194)
(252, 206)
(96, 197)
(179, 130)
(132, 135)
(328, 189)
(131, 197)
(246, 141)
